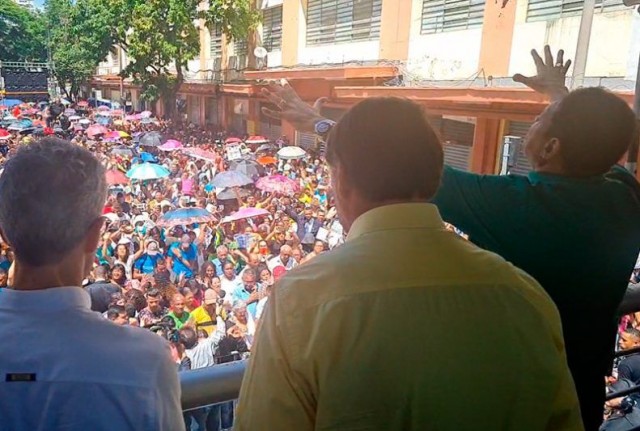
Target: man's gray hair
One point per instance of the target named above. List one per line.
(221, 248)
(51, 192)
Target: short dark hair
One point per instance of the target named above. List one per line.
(387, 150)
(595, 128)
(188, 337)
(114, 311)
(154, 293)
(633, 332)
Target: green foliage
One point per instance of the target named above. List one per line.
(162, 37)
(79, 38)
(22, 33)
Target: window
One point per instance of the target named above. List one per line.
(272, 28)
(448, 15)
(543, 10)
(339, 21)
(216, 41)
(240, 47)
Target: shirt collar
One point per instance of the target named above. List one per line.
(55, 298)
(396, 216)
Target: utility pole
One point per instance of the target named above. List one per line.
(582, 49)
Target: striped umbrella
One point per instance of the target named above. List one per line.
(185, 216)
(278, 184)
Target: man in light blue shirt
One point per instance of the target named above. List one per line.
(247, 292)
(69, 368)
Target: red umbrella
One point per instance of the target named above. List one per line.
(83, 103)
(233, 141)
(256, 140)
(96, 130)
(116, 177)
(4, 133)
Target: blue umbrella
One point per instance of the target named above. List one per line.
(10, 102)
(231, 179)
(147, 171)
(148, 157)
(185, 216)
(21, 125)
(104, 121)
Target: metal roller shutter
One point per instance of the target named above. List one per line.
(306, 140)
(457, 139)
(211, 111)
(271, 131)
(522, 165)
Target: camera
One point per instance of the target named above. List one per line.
(167, 328)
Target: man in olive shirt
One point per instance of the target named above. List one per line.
(572, 223)
(406, 326)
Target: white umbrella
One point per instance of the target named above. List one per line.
(74, 118)
(289, 153)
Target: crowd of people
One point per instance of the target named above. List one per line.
(195, 283)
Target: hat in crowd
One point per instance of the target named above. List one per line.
(278, 272)
(112, 217)
(152, 248)
(210, 296)
(140, 219)
(166, 203)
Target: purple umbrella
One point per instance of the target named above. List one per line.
(245, 213)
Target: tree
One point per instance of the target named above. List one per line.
(162, 36)
(80, 38)
(22, 33)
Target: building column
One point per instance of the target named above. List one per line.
(294, 30)
(395, 30)
(203, 110)
(486, 141)
(497, 37)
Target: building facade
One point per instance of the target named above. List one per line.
(453, 56)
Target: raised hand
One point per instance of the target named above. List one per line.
(292, 108)
(550, 77)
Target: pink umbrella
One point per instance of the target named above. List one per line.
(146, 114)
(130, 118)
(112, 135)
(170, 145)
(96, 130)
(233, 141)
(103, 108)
(117, 112)
(278, 184)
(199, 153)
(245, 213)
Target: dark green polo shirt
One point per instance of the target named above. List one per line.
(578, 237)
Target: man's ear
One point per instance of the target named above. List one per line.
(551, 150)
(92, 237)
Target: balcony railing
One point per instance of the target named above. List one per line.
(221, 383)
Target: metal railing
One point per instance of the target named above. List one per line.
(220, 383)
(211, 385)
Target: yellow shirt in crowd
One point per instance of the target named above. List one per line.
(408, 327)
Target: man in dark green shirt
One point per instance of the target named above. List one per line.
(573, 223)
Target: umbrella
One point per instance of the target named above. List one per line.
(148, 157)
(74, 118)
(103, 108)
(265, 147)
(170, 145)
(292, 152)
(278, 184)
(245, 213)
(227, 194)
(151, 139)
(9, 103)
(83, 103)
(199, 153)
(4, 133)
(233, 141)
(247, 167)
(256, 140)
(267, 160)
(231, 179)
(69, 111)
(116, 177)
(148, 120)
(112, 135)
(147, 171)
(145, 114)
(117, 112)
(103, 113)
(21, 125)
(123, 134)
(85, 121)
(105, 121)
(122, 151)
(96, 130)
(185, 216)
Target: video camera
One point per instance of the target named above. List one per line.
(167, 328)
